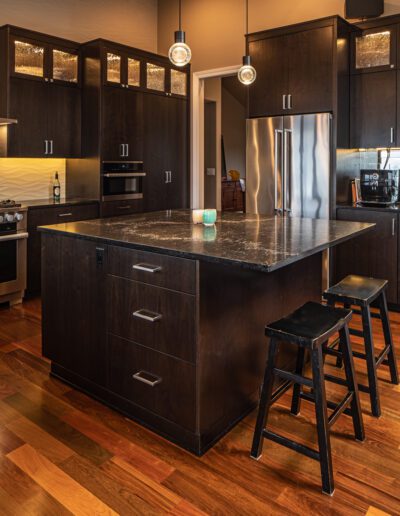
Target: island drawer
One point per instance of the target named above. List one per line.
(157, 382)
(161, 319)
(59, 214)
(153, 268)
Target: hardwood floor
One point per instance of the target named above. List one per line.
(62, 452)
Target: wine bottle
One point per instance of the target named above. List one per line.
(56, 188)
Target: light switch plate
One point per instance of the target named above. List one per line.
(211, 171)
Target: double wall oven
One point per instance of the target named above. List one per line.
(13, 239)
(122, 180)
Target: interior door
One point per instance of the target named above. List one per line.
(177, 188)
(155, 150)
(264, 160)
(307, 164)
(310, 55)
(29, 105)
(269, 57)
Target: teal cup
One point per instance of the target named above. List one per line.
(209, 217)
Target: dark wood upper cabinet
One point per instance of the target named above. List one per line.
(40, 87)
(296, 69)
(375, 49)
(373, 118)
(373, 254)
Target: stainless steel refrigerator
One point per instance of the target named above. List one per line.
(288, 164)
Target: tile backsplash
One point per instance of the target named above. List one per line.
(30, 178)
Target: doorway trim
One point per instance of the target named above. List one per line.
(197, 133)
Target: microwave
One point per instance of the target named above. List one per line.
(122, 180)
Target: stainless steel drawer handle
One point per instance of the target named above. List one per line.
(147, 315)
(146, 267)
(65, 214)
(140, 376)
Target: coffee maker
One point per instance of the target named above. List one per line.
(379, 187)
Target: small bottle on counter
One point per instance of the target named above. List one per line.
(56, 189)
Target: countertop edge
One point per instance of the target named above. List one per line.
(205, 257)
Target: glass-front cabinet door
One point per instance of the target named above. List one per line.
(178, 82)
(65, 66)
(113, 68)
(155, 77)
(28, 58)
(375, 50)
(133, 72)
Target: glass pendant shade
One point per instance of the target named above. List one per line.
(247, 73)
(180, 54)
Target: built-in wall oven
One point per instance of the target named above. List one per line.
(122, 180)
(13, 240)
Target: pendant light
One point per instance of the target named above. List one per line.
(180, 54)
(247, 74)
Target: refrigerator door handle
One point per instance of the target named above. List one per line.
(278, 170)
(287, 154)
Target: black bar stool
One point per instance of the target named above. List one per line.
(310, 327)
(363, 292)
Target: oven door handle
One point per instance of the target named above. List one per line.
(126, 174)
(14, 236)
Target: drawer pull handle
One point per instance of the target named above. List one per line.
(147, 315)
(139, 376)
(146, 267)
(65, 214)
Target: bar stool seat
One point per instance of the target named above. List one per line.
(309, 328)
(356, 290)
(365, 292)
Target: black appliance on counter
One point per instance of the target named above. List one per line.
(379, 187)
(122, 180)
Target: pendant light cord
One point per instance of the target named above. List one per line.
(180, 14)
(247, 25)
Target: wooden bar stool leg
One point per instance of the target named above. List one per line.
(387, 332)
(296, 400)
(324, 444)
(371, 363)
(352, 383)
(265, 400)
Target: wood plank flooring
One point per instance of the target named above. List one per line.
(64, 453)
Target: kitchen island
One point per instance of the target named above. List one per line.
(164, 320)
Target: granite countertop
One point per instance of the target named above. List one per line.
(251, 241)
(393, 209)
(49, 203)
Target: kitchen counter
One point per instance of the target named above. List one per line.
(48, 203)
(164, 320)
(251, 241)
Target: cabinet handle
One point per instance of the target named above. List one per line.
(46, 79)
(166, 176)
(124, 207)
(51, 80)
(147, 315)
(392, 135)
(289, 101)
(122, 150)
(51, 146)
(65, 215)
(393, 227)
(140, 378)
(284, 101)
(170, 176)
(145, 267)
(127, 150)
(46, 147)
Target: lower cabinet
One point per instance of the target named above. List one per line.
(374, 254)
(44, 216)
(116, 208)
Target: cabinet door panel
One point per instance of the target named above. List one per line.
(177, 189)
(156, 150)
(113, 132)
(29, 105)
(64, 120)
(78, 295)
(133, 118)
(311, 70)
(269, 57)
(373, 110)
(373, 254)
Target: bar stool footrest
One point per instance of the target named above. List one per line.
(382, 356)
(330, 404)
(293, 445)
(340, 407)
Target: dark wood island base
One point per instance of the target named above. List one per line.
(207, 352)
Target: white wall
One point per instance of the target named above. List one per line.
(133, 22)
